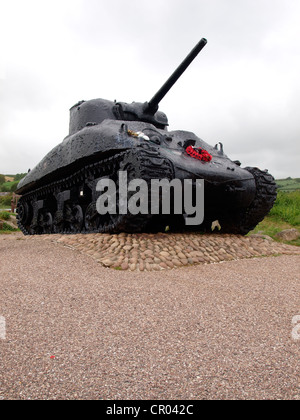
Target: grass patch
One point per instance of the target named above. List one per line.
(5, 215)
(7, 229)
(287, 208)
(284, 215)
(271, 226)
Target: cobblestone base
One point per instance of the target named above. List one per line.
(155, 252)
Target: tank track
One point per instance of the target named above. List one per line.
(68, 206)
(245, 221)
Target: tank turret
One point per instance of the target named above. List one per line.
(97, 110)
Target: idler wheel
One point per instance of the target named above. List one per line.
(23, 212)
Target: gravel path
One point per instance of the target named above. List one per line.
(78, 330)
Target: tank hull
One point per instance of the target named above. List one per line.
(92, 144)
(59, 194)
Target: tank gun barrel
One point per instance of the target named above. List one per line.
(152, 106)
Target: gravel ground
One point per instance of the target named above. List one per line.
(78, 330)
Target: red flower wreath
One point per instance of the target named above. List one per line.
(198, 153)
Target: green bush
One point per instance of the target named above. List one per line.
(4, 215)
(5, 201)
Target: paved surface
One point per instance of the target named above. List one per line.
(77, 330)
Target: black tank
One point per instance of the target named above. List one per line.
(59, 195)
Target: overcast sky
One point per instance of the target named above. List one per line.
(243, 89)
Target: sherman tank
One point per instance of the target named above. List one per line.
(107, 138)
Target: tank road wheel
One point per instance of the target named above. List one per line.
(132, 164)
(266, 193)
(92, 218)
(74, 218)
(45, 222)
(58, 222)
(78, 218)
